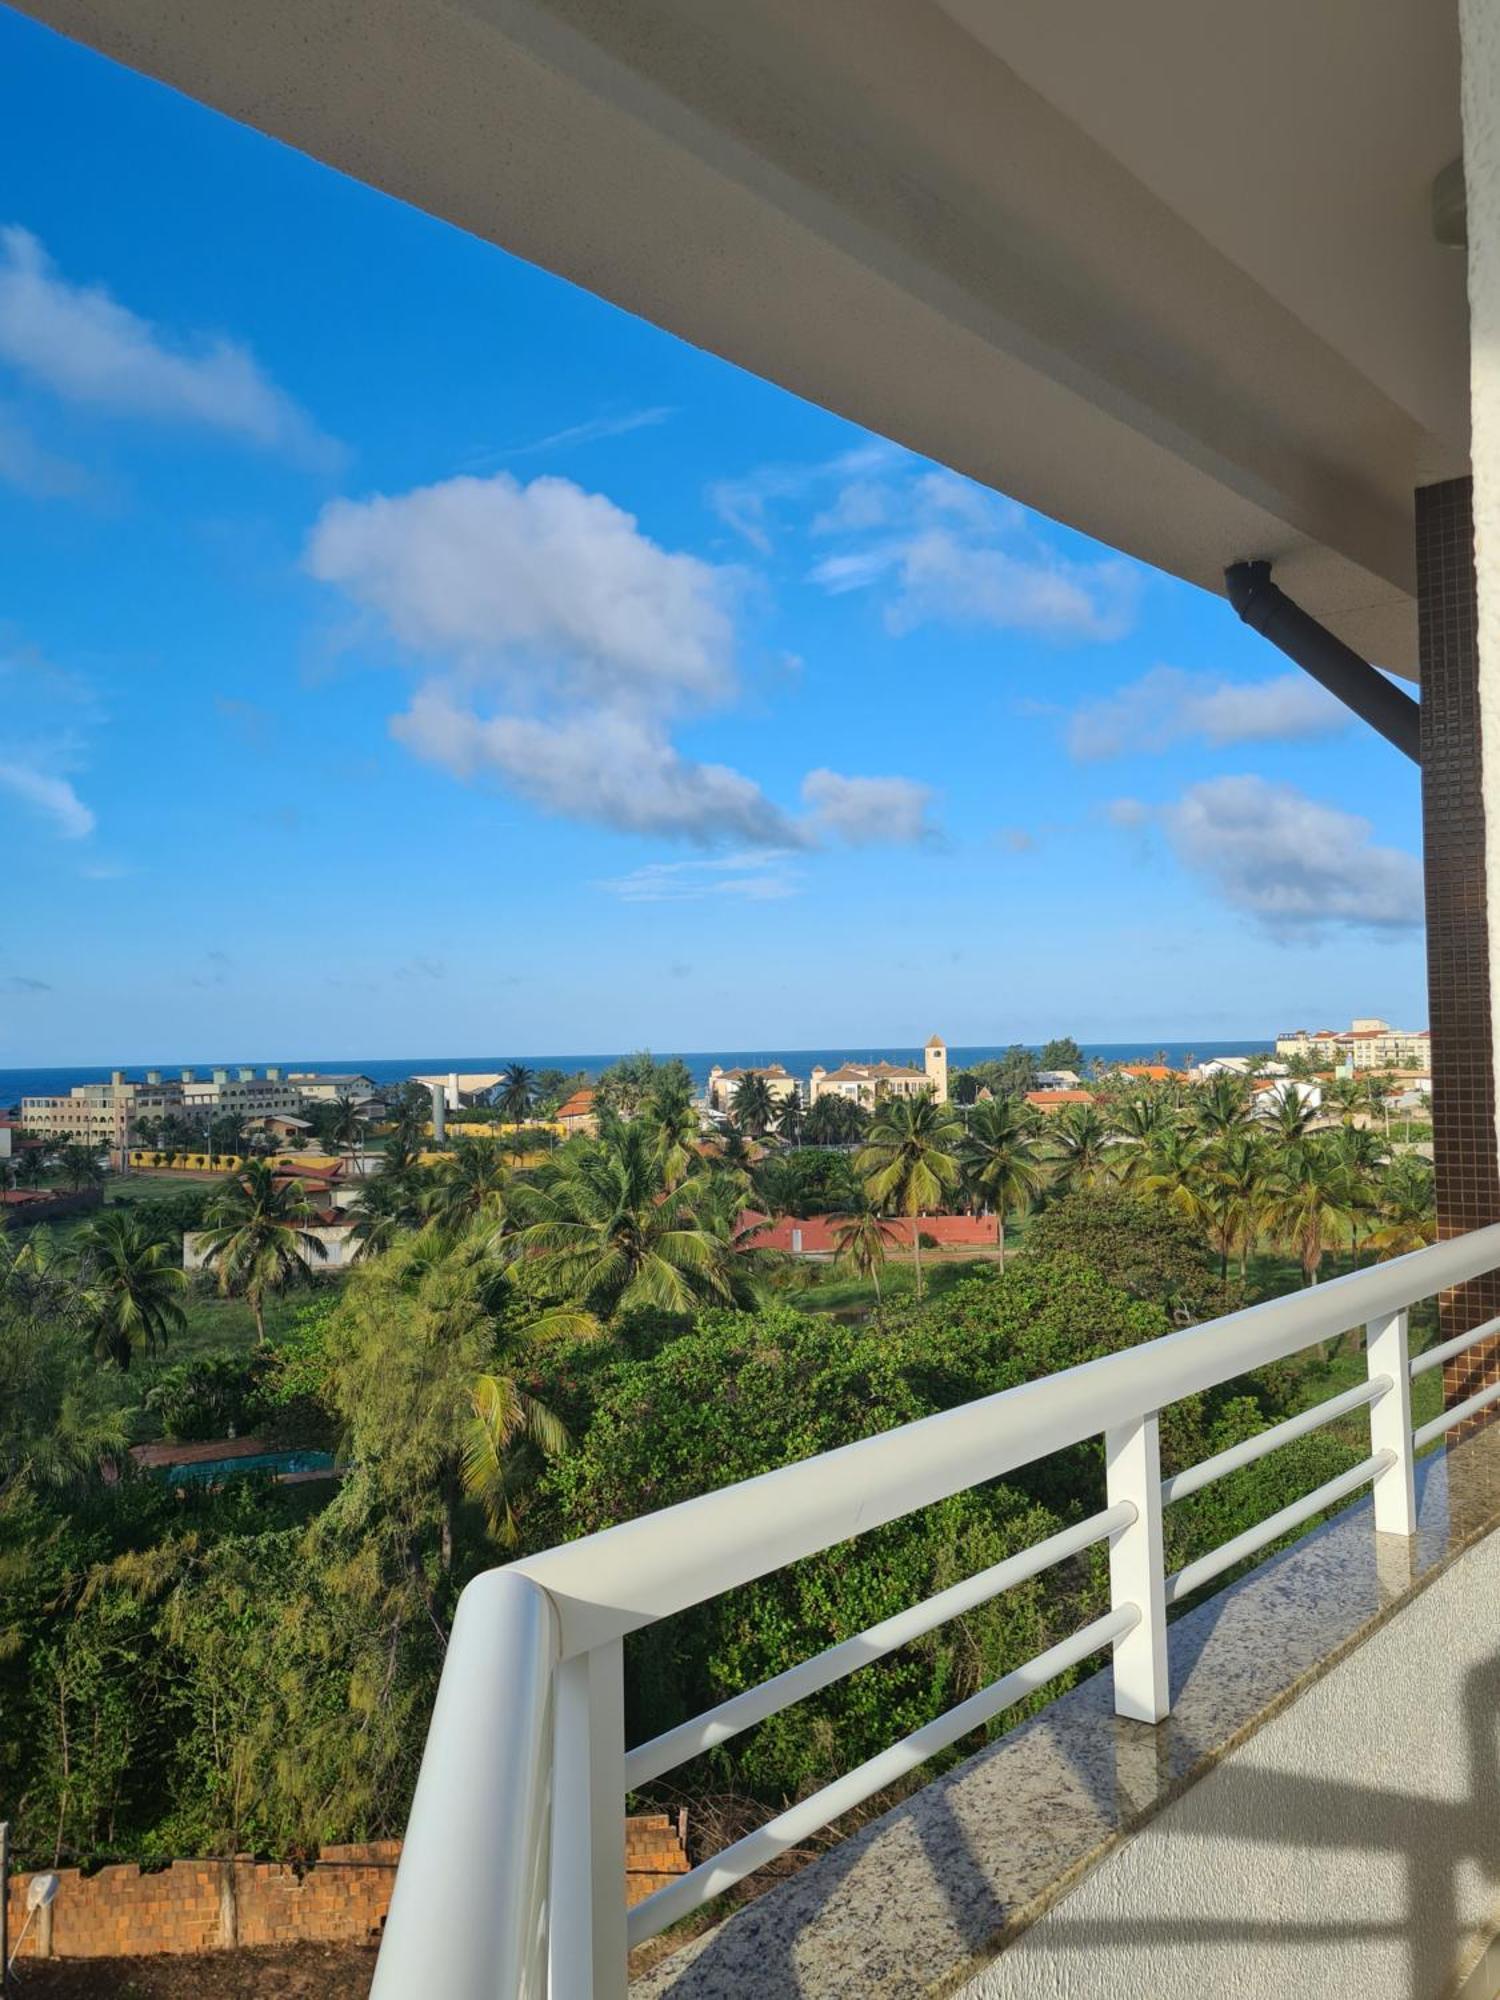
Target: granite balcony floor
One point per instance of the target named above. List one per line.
(922, 1898)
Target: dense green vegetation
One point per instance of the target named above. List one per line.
(525, 1353)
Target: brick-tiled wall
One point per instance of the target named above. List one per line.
(207, 1905)
(1458, 974)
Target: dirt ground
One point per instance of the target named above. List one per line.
(289, 1972)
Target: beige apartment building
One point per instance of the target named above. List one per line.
(1367, 1043)
(723, 1083)
(107, 1114)
(97, 1114)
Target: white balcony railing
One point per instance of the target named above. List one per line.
(512, 1880)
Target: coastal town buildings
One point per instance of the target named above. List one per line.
(110, 1113)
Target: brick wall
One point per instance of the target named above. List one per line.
(209, 1905)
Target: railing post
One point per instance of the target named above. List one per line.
(587, 1929)
(1395, 1489)
(1132, 1461)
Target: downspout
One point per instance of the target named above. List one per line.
(1261, 604)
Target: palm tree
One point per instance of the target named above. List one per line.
(1289, 1115)
(469, 1182)
(32, 1167)
(258, 1238)
(1408, 1216)
(1139, 1122)
(385, 1209)
(346, 1128)
(517, 1093)
(1234, 1196)
(605, 1228)
(1307, 1201)
(753, 1106)
(1174, 1173)
(789, 1116)
(834, 1121)
(1082, 1147)
(131, 1286)
(1000, 1157)
(672, 1113)
(909, 1161)
(79, 1165)
(1347, 1095)
(860, 1240)
(1221, 1105)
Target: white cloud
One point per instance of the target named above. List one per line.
(865, 812)
(1167, 706)
(51, 796)
(1295, 865)
(87, 347)
(947, 551)
(755, 876)
(1127, 812)
(559, 645)
(605, 766)
(545, 588)
(749, 505)
(591, 431)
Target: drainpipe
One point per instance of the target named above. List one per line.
(1268, 609)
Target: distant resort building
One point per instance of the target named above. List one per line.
(1367, 1043)
(723, 1083)
(866, 1084)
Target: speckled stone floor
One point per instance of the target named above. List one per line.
(915, 1903)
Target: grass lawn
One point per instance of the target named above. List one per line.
(845, 1296)
(215, 1326)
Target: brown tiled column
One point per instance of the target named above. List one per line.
(1465, 1154)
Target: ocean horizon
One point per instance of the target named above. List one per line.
(58, 1079)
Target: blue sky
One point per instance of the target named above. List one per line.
(401, 650)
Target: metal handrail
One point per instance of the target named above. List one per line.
(532, 1688)
(616, 1581)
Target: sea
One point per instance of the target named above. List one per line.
(18, 1083)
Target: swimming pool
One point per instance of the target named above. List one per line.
(279, 1464)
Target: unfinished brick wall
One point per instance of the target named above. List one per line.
(212, 1905)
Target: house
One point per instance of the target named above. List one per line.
(278, 1125)
(723, 1083)
(326, 1087)
(1048, 1102)
(577, 1114)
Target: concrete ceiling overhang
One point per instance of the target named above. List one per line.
(1164, 271)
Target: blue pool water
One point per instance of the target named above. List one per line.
(214, 1471)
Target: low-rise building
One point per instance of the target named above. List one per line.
(577, 1114)
(723, 1083)
(1049, 1102)
(324, 1087)
(101, 1114)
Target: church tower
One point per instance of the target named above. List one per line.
(936, 1056)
